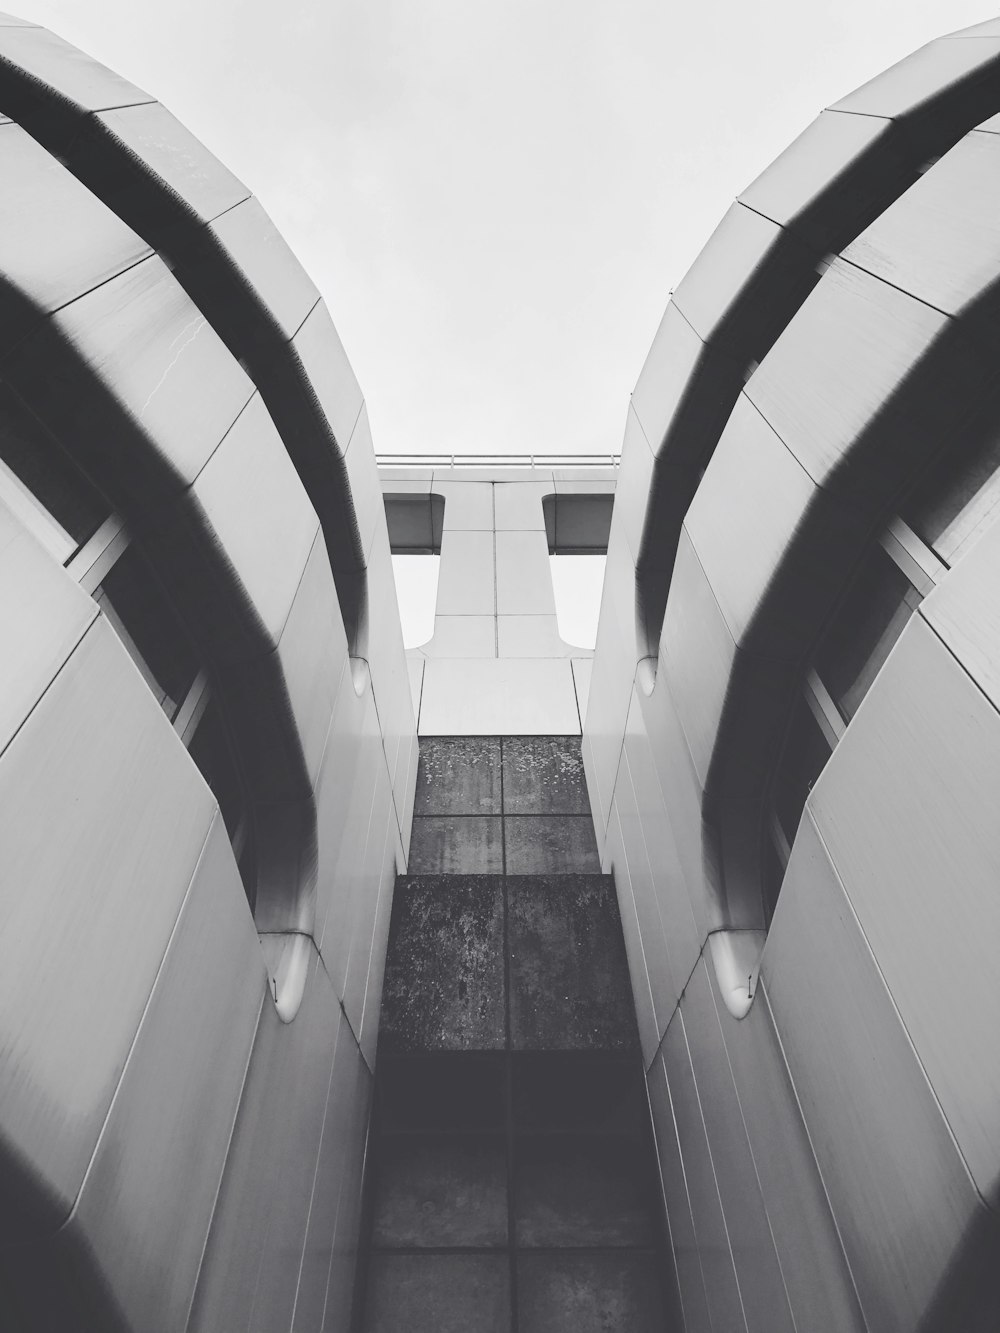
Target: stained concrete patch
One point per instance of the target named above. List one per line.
(456, 845)
(576, 1191)
(444, 975)
(543, 775)
(588, 1293)
(458, 775)
(441, 1191)
(569, 982)
(551, 845)
(438, 1293)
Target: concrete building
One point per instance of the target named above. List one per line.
(209, 764)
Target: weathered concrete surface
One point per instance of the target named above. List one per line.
(512, 1133)
(458, 775)
(589, 1293)
(550, 845)
(583, 1191)
(444, 975)
(569, 981)
(543, 775)
(438, 1293)
(441, 1191)
(456, 845)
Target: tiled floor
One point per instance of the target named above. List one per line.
(513, 1183)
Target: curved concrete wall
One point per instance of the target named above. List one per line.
(829, 1160)
(184, 1099)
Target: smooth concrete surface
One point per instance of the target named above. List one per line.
(496, 664)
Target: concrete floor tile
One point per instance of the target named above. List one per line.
(551, 845)
(445, 1091)
(589, 1293)
(582, 1192)
(439, 1293)
(569, 981)
(444, 974)
(578, 1092)
(458, 775)
(440, 1191)
(543, 775)
(456, 845)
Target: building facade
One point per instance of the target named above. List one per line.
(209, 747)
(792, 740)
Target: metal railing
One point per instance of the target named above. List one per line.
(492, 461)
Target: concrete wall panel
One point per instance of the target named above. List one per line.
(167, 1135)
(323, 1298)
(940, 241)
(518, 506)
(317, 346)
(342, 838)
(524, 580)
(254, 1261)
(54, 66)
(735, 250)
(47, 616)
(468, 505)
(612, 677)
(711, 1236)
(261, 253)
(926, 74)
(616, 862)
(698, 653)
(135, 343)
(839, 360)
(664, 900)
(918, 861)
(47, 263)
(636, 473)
(962, 611)
(754, 499)
(762, 1289)
(814, 1270)
(883, 1146)
(185, 166)
(462, 636)
(366, 490)
(823, 153)
(104, 889)
(681, 790)
(258, 513)
(466, 580)
(506, 697)
(683, 1242)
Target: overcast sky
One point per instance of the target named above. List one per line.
(496, 196)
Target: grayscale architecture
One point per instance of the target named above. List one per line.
(500, 984)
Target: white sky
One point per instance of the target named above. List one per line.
(496, 196)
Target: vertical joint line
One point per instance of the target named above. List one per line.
(496, 600)
(508, 1068)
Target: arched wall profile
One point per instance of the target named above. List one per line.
(197, 1109)
(766, 256)
(760, 268)
(815, 1091)
(224, 251)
